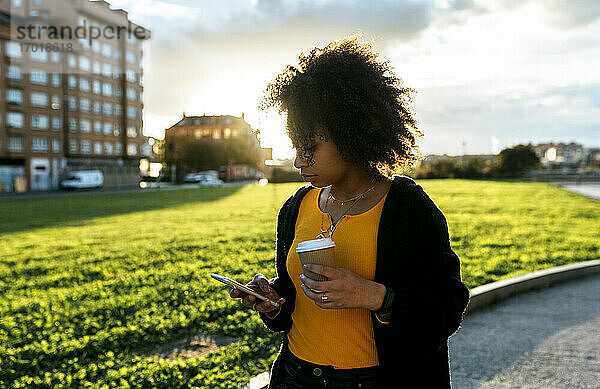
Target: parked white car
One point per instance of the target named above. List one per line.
(191, 178)
(83, 179)
(210, 181)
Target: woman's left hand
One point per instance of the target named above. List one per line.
(344, 289)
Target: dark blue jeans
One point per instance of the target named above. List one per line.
(299, 374)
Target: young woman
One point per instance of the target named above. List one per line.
(383, 317)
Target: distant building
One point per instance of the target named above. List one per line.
(592, 157)
(434, 157)
(560, 154)
(214, 128)
(72, 107)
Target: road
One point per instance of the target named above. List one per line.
(588, 189)
(121, 189)
(548, 338)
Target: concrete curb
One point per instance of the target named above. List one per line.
(496, 291)
(491, 293)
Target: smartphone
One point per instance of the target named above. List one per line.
(241, 287)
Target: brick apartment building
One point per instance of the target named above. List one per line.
(215, 128)
(76, 105)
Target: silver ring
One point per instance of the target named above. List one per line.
(324, 297)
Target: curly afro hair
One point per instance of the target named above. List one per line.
(342, 92)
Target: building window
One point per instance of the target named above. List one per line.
(116, 72)
(227, 133)
(73, 146)
(85, 125)
(56, 145)
(106, 50)
(84, 63)
(107, 89)
(13, 50)
(85, 43)
(217, 134)
(131, 112)
(15, 143)
(72, 61)
(96, 46)
(96, 66)
(235, 133)
(55, 102)
(130, 56)
(72, 103)
(14, 72)
(108, 148)
(107, 108)
(72, 81)
(97, 147)
(16, 3)
(38, 55)
(97, 107)
(98, 127)
(96, 87)
(118, 110)
(55, 57)
(39, 144)
(106, 70)
(14, 96)
(132, 95)
(14, 119)
(118, 148)
(108, 128)
(130, 76)
(131, 131)
(116, 54)
(39, 99)
(86, 146)
(39, 122)
(117, 130)
(55, 123)
(56, 80)
(73, 124)
(84, 84)
(85, 105)
(117, 91)
(38, 77)
(131, 149)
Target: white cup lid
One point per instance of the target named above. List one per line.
(315, 244)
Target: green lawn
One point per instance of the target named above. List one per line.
(90, 282)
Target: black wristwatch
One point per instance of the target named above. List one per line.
(388, 299)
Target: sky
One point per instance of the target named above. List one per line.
(489, 74)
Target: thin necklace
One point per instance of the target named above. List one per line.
(334, 225)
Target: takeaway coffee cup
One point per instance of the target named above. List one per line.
(316, 251)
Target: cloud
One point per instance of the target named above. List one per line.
(589, 92)
(492, 74)
(573, 13)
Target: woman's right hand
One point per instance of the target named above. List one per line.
(259, 284)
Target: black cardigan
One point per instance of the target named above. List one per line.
(413, 257)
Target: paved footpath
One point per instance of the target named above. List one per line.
(587, 189)
(549, 338)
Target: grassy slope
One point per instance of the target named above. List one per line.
(105, 277)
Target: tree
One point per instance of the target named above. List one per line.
(190, 154)
(517, 159)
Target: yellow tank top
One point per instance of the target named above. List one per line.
(342, 338)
